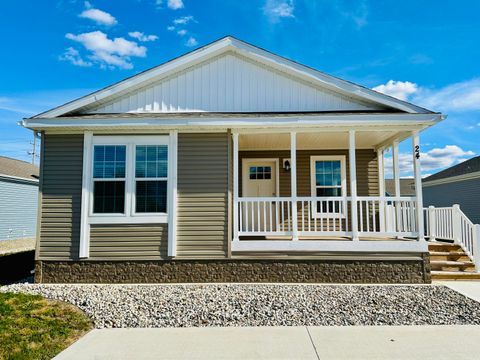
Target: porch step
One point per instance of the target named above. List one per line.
(449, 261)
(454, 275)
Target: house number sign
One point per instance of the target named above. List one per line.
(417, 151)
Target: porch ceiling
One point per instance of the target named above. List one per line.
(314, 140)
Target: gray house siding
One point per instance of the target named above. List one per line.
(465, 193)
(18, 209)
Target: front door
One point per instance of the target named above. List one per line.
(259, 180)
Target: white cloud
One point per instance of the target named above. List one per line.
(191, 41)
(435, 159)
(398, 89)
(107, 52)
(73, 56)
(140, 36)
(170, 28)
(97, 15)
(277, 9)
(175, 4)
(183, 20)
(457, 97)
(182, 32)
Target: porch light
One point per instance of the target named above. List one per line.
(286, 164)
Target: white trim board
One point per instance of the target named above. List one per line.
(252, 52)
(452, 179)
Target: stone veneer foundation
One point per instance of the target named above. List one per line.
(237, 270)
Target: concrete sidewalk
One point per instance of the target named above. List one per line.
(470, 289)
(347, 342)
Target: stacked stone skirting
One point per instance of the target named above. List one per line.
(237, 270)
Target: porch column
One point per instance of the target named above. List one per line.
(293, 181)
(396, 168)
(381, 188)
(353, 183)
(418, 184)
(235, 186)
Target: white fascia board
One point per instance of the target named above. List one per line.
(250, 51)
(387, 120)
(19, 179)
(452, 179)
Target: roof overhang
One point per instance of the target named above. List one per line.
(400, 121)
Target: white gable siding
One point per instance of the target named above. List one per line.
(230, 83)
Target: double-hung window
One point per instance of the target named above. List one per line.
(129, 179)
(328, 182)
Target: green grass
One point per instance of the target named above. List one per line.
(32, 327)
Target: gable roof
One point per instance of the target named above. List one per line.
(407, 186)
(17, 168)
(247, 51)
(467, 167)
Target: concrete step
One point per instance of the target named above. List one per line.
(454, 275)
(447, 265)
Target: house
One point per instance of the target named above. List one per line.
(18, 199)
(229, 163)
(407, 187)
(459, 184)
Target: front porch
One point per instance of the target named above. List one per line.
(323, 191)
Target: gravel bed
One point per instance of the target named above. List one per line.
(262, 305)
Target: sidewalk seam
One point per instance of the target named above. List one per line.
(313, 344)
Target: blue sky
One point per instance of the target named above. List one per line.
(423, 51)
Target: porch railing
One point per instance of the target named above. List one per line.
(327, 216)
(450, 223)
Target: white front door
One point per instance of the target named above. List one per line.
(259, 180)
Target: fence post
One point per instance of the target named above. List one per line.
(432, 223)
(456, 222)
(476, 247)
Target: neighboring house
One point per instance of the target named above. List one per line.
(407, 187)
(191, 171)
(459, 184)
(18, 199)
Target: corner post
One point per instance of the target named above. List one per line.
(172, 193)
(476, 247)
(418, 184)
(457, 226)
(353, 183)
(432, 223)
(235, 186)
(84, 251)
(381, 189)
(293, 175)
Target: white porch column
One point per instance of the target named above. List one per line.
(418, 184)
(235, 187)
(353, 183)
(293, 175)
(84, 251)
(381, 188)
(396, 168)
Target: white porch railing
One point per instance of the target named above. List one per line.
(450, 223)
(327, 216)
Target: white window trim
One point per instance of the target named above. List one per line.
(313, 185)
(130, 217)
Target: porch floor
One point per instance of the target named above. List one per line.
(323, 238)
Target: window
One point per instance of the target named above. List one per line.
(328, 179)
(109, 179)
(260, 172)
(151, 178)
(129, 179)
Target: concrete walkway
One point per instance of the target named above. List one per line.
(348, 342)
(470, 289)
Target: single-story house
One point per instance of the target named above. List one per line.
(18, 199)
(229, 163)
(459, 184)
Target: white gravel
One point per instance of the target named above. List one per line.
(262, 304)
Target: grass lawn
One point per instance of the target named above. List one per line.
(32, 327)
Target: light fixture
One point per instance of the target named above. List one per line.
(286, 164)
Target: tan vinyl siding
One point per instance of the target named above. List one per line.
(202, 195)
(128, 242)
(62, 163)
(367, 169)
